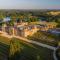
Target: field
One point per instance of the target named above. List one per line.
(44, 37)
(47, 23)
(4, 48)
(32, 52)
(28, 51)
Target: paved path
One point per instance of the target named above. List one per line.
(30, 41)
(54, 54)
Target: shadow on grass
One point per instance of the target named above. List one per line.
(25, 54)
(4, 51)
(58, 54)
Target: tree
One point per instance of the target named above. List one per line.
(14, 49)
(10, 23)
(58, 25)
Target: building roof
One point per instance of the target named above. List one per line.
(6, 19)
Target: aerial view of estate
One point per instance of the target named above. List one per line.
(29, 29)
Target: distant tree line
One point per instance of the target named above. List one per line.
(30, 16)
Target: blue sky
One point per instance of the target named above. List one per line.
(29, 4)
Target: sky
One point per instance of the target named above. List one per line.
(29, 4)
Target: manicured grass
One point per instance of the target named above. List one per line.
(44, 37)
(27, 51)
(44, 41)
(33, 52)
(58, 53)
(4, 48)
(5, 40)
(52, 23)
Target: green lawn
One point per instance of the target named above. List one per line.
(32, 52)
(27, 51)
(44, 37)
(4, 48)
(5, 40)
(52, 23)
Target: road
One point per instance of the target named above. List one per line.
(37, 43)
(29, 41)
